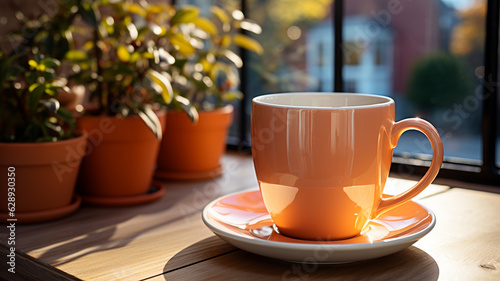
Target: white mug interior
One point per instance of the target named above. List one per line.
(322, 100)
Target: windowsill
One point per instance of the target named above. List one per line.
(166, 239)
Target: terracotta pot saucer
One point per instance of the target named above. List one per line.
(42, 216)
(155, 192)
(189, 175)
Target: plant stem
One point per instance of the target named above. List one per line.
(20, 103)
(98, 57)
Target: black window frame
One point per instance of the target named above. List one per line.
(486, 173)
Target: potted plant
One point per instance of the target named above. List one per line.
(206, 74)
(39, 153)
(120, 66)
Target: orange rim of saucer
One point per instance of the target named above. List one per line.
(43, 216)
(156, 191)
(189, 175)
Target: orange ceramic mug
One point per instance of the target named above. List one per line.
(322, 160)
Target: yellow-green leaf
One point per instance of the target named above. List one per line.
(249, 26)
(33, 64)
(152, 121)
(248, 43)
(33, 86)
(132, 30)
(154, 9)
(182, 45)
(123, 54)
(206, 25)
(207, 66)
(216, 68)
(162, 81)
(137, 9)
(220, 13)
(158, 30)
(41, 67)
(225, 41)
(186, 14)
(230, 96)
(167, 9)
(190, 110)
(76, 55)
(234, 58)
(148, 56)
(135, 56)
(50, 92)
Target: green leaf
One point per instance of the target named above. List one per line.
(65, 115)
(49, 41)
(88, 14)
(186, 14)
(162, 81)
(13, 71)
(33, 131)
(31, 77)
(149, 117)
(51, 104)
(50, 63)
(49, 74)
(36, 91)
(248, 43)
(187, 107)
(55, 128)
(63, 46)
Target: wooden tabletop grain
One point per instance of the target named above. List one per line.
(166, 240)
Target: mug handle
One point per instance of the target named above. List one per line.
(432, 134)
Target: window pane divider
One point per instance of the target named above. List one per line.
(490, 90)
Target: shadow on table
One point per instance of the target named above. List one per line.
(92, 229)
(213, 259)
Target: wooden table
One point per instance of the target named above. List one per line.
(166, 240)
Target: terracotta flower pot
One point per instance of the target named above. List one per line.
(43, 175)
(191, 151)
(121, 156)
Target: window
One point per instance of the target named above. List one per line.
(433, 57)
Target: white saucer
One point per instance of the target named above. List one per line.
(242, 220)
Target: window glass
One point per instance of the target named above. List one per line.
(498, 133)
(297, 37)
(428, 56)
(498, 118)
